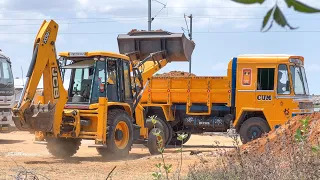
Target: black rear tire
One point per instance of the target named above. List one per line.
(153, 144)
(63, 147)
(161, 124)
(253, 128)
(119, 136)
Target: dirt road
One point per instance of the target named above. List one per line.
(18, 153)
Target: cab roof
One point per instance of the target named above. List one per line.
(267, 58)
(93, 54)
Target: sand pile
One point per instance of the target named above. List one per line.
(175, 74)
(282, 139)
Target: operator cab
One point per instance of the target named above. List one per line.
(91, 75)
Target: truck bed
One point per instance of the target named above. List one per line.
(188, 90)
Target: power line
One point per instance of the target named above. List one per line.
(199, 32)
(163, 18)
(218, 7)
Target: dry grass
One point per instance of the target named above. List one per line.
(288, 157)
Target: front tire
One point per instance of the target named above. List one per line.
(63, 147)
(119, 135)
(253, 128)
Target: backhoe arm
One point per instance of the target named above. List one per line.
(150, 68)
(42, 117)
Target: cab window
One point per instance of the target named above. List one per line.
(283, 80)
(112, 80)
(98, 88)
(127, 83)
(265, 79)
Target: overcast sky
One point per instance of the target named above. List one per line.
(222, 30)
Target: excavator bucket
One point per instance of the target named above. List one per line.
(175, 46)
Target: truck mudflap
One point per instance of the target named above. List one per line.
(36, 118)
(176, 46)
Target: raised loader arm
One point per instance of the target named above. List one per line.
(42, 117)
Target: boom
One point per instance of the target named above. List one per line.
(44, 63)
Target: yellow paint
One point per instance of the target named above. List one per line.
(98, 53)
(96, 114)
(208, 90)
(139, 117)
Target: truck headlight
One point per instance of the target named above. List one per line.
(305, 105)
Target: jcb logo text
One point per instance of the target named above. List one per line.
(55, 83)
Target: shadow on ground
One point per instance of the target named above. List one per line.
(78, 160)
(7, 141)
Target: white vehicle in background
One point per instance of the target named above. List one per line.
(7, 93)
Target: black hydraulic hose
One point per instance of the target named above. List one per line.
(30, 70)
(139, 96)
(33, 60)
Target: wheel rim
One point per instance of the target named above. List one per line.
(254, 132)
(121, 135)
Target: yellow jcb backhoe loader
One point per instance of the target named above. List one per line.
(102, 101)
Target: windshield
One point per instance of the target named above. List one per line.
(5, 72)
(299, 81)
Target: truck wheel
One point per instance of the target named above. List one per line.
(63, 147)
(119, 134)
(175, 141)
(253, 128)
(169, 131)
(161, 124)
(153, 141)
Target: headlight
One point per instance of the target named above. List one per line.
(305, 105)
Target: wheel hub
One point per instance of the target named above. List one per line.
(254, 132)
(118, 135)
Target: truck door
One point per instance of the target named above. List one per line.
(265, 91)
(283, 102)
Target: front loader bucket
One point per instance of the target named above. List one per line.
(176, 46)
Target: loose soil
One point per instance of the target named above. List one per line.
(175, 74)
(19, 152)
(281, 140)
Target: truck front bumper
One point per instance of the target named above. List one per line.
(6, 118)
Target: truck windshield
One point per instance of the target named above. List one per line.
(299, 80)
(5, 72)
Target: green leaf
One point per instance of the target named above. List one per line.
(158, 165)
(315, 149)
(301, 7)
(161, 150)
(181, 137)
(266, 19)
(249, 1)
(280, 19)
(179, 150)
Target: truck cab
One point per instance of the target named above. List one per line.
(7, 94)
(267, 90)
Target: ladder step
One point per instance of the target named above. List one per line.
(97, 146)
(40, 142)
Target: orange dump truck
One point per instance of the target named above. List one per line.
(258, 94)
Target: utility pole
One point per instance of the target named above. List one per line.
(22, 76)
(190, 36)
(149, 15)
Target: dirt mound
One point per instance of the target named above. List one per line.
(175, 74)
(283, 138)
